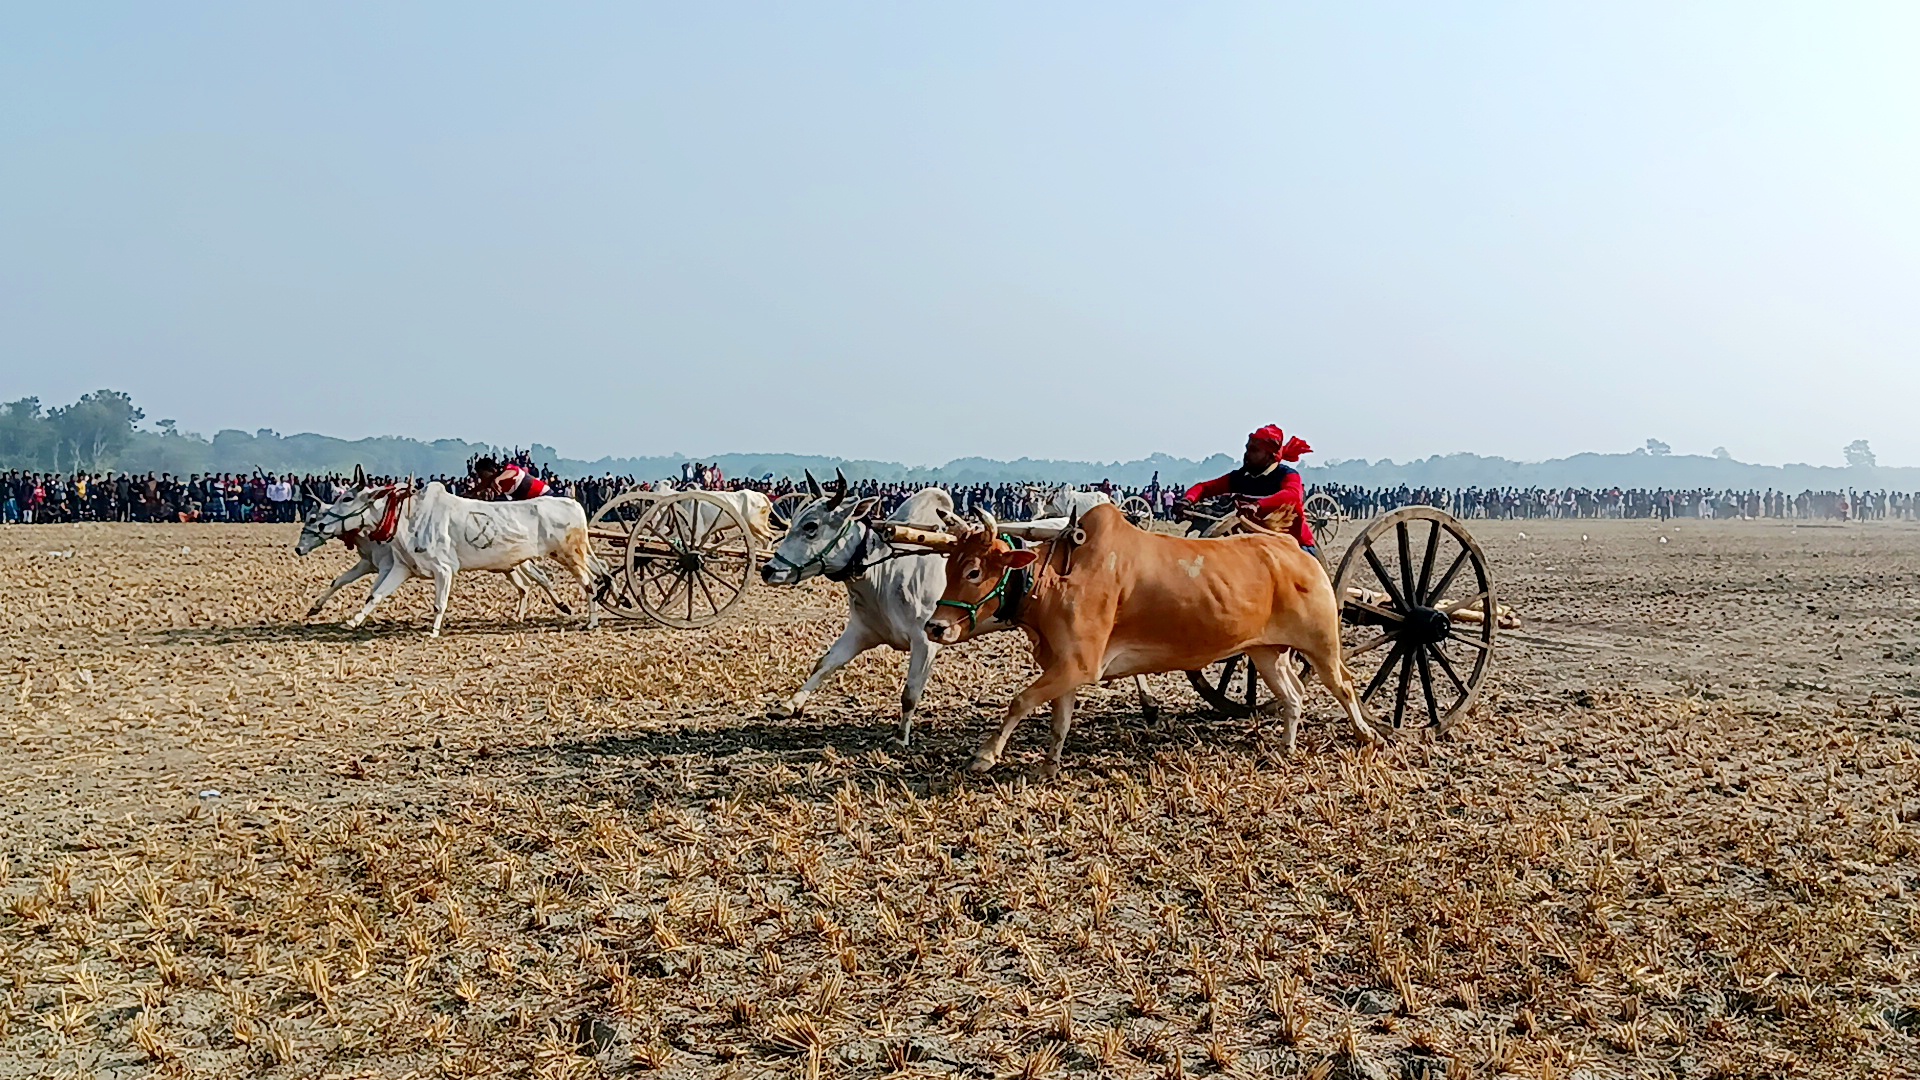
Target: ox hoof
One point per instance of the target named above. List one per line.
(980, 765)
(563, 609)
(783, 711)
(896, 743)
(1150, 712)
(312, 611)
(1049, 769)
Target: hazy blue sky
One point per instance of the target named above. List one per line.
(916, 231)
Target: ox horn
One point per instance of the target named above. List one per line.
(813, 486)
(359, 476)
(987, 521)
(839, 487)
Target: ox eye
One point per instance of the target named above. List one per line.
(973, 573)
(810, 527)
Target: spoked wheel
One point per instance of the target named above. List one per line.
(609, 534)
(691, 559)
(1232, 686)
(1326, 517)
(1138, 510)
(1418, 618)
(786, 506)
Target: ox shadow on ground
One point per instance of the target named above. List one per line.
(755, 758)
(323, 630)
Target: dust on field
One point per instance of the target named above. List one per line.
(1679, 836)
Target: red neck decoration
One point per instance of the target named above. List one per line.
(390, 520)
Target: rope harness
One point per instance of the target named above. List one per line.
(861, 561)
(1009, 593)
(389, 520)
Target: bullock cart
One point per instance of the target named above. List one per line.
(1414, 624)
(1417, 619)
(678, 558)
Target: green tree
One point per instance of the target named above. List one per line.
(24, 434)
(1859, 453)
(94, 429)
(1658, 448)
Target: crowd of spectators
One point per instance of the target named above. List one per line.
(109, 496)
(1658, 504)
(261, 497)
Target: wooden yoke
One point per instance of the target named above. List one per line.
(895, 532)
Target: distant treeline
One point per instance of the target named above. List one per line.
(103, 431)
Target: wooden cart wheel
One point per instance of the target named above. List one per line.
(609, 534)
(786, 506)
(1418, 617)
(1138, 510)
(691, 559)
(1232, 686)
(1326, 517)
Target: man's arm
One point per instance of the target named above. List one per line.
(1207, 489)
(1292, 493)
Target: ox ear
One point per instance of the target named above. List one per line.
(865, 507)
(813, 486)
(1019, 560)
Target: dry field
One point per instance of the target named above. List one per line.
(1680, 836)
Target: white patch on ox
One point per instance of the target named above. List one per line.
(1113, 560)
(1192, 567)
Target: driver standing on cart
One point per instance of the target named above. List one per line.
(1268, 492)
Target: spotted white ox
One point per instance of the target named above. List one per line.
(436, 534)
(377, 555)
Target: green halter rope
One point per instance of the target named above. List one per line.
(998, 594)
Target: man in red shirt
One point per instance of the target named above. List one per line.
(511, 482)
(1268, 491)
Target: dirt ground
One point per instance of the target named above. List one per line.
(1677, 836)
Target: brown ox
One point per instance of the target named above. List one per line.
(1129, 602)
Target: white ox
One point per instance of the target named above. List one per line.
(1062, 501)
(436, 534)
(888, 600)
(754, 507)
(376, 556)
(891, 594)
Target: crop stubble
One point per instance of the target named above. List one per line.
(1678, 836)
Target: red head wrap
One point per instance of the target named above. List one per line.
(1289, 449)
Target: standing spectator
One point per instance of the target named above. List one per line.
(279, 496)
